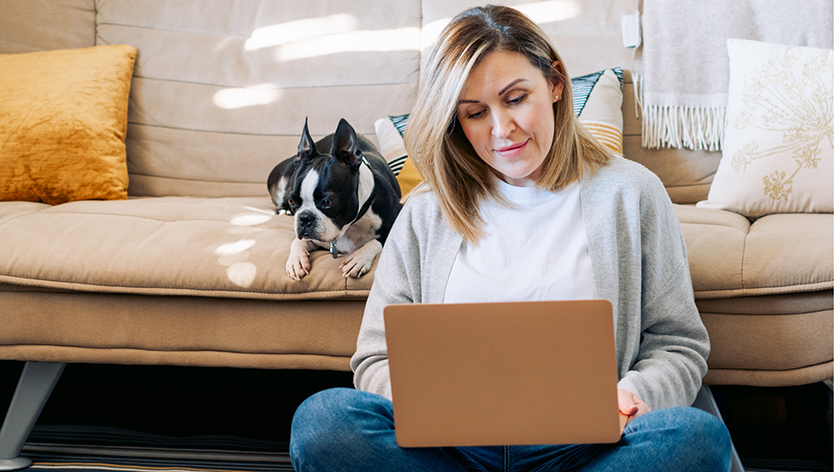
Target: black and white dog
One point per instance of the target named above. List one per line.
(344, 201)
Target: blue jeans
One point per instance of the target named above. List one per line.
(350, 430)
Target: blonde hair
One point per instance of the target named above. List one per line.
(436, 142)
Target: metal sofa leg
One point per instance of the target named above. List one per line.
(706, 401)
(33, 389)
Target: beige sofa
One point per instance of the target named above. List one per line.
(190, 269)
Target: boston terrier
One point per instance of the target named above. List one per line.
(344, 201)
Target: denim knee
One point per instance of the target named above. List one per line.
(334, 423)
(694, 438)
(712, 434)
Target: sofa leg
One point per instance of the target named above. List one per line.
(706, 401)
(33, 389)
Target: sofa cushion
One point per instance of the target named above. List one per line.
(221, 89)
(237, 247)
(729, 256)
(63, 124)
(762, 333)
(45, 325)
(230, 247)
(43, 25)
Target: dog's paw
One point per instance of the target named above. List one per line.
(298, 268)
(356, 266)
(359, 262)
(298, 264)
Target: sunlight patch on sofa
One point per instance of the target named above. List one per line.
(232, 98)
(250, 219)
(292, 31)
(400, 39)
(551, 11)
(242, 274)
(540, 12)
(234, 248)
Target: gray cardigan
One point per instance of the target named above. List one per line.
(639, 264)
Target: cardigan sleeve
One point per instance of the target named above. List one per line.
(674, 345)
(397, 280)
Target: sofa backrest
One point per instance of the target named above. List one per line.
(221, 88)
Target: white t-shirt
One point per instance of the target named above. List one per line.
(535, 249)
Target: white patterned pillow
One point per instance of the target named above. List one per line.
(778, 155)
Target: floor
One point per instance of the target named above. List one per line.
(783, 429)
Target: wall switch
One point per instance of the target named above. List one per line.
(631, 30)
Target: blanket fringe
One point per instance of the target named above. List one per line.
(693, 128)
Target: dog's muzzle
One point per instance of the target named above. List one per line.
(306, 225)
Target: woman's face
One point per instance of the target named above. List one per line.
(506, 112)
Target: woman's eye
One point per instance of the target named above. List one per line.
(517, 100)
(475, 114)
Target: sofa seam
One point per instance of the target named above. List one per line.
(717, 224)
(138, 290)
(750, 292)
(235, 133)
(95, 22)
(811, 312)
(134, 216)
(775, 370)
(140, 174)
(5, 222)
(171, 350)
(307, 87)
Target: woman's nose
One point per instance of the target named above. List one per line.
(502, 124)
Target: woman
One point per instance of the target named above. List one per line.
(520, 203)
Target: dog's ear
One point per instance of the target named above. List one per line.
(345, 145)
(307, 147)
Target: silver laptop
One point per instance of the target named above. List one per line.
(516, 373)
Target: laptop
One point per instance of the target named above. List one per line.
(510, 373)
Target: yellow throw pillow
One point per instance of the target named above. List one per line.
(63, 120)
(409, 177)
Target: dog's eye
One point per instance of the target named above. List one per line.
(291, 202)
(327, 203)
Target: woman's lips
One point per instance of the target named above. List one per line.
(512, 150)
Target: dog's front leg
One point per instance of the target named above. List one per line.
(359, 262)
(298, 264)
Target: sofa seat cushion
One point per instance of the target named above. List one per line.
(48, 325)
(237, 247)
(781, 253)
(770, 340)
(216, 247)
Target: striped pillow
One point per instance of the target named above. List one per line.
(597, 101)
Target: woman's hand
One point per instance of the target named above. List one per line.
(630, 406)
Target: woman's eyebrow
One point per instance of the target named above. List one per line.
(512, 84)
(502, 92)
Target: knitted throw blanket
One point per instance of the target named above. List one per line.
(682, 68)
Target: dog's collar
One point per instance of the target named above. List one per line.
(362, 210)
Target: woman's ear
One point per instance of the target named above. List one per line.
(556, 82)
(557, 91)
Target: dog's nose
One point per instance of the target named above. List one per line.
(306, 221)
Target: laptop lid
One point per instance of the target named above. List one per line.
(514, 373)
